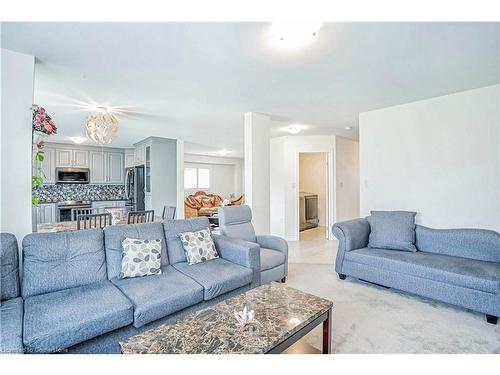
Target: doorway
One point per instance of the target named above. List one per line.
(313, 195)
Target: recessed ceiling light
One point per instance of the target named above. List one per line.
(348, 128)
(223, 152)
(78, 140)
(293, 34)
(294, 129)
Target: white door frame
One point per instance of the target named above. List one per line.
(330, 182)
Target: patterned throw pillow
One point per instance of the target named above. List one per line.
(140, 257)
(198, 246)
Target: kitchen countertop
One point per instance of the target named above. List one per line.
(91, 200)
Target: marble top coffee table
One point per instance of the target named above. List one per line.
(284, 316)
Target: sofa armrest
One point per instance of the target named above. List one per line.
(275, 243)
(352, 234)
(240, 252)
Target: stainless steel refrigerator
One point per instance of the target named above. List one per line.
(134, 187)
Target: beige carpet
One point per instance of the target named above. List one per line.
(371, 319)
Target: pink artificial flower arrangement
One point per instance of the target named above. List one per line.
(42, 121)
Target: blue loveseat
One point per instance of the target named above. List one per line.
(457, 266)
(74, 300)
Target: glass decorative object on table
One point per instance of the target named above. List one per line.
(118, 214)
(246, 316)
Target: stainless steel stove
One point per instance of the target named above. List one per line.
(64, 209)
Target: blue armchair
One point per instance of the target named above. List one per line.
(236, 222)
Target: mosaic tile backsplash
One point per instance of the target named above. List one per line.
(66, 192)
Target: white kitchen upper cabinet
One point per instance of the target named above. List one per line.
(47, 166)
(139, 154)
(64, 158)
(80, 158)
(116, 168)
(72, 158)
(45, 213)
(129, 158)
(97, 167)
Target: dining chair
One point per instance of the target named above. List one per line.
(135, 217)
(168, 213)
(83, 211)
(88, 221)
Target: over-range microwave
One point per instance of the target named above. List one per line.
(72, 175)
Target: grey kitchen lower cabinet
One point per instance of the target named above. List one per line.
(106, 204)
(45, 213)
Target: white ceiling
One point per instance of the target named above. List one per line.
(194, 81)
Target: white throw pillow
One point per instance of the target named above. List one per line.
(198, 246)
(140, 257)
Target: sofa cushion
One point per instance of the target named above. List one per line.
(270, 258)
(392, 230)
(236, 222)
(479, 244)
(217, 276)
(11, 326)
(114, 236)
(9, 267)
(58, 320)
(468, 273)
(157, 296)
(57, 261)
(173, 228)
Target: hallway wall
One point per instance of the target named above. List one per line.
(347, 179)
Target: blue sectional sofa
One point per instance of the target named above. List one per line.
(74, 300)
(11, 304)
(457, 266)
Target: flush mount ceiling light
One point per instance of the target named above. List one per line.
(78, 140)
(348, 128)
(290, 35)
(101, 126)
(294, 129)
(223, 152)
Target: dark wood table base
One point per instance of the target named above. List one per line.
(325, 318)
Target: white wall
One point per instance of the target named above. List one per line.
(226, 174)
(257, 169)
(284, 181)
(439, 157)
(164, 176)
(346, 179)
(313, 179)
(17, 71)
(179, 212)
